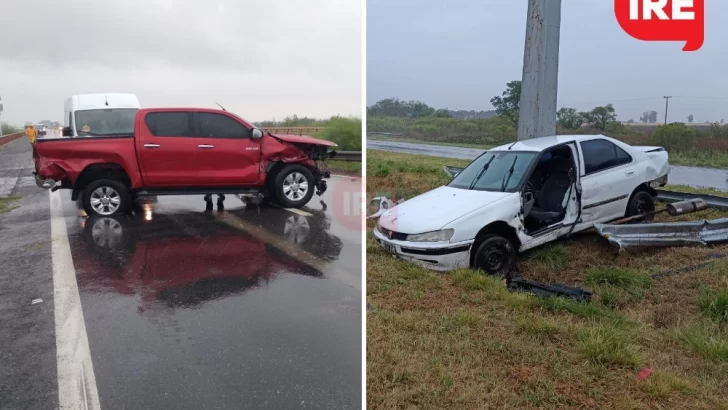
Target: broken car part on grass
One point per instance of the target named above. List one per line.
(666, 234)
(544, 289)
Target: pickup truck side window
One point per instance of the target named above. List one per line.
(220, 126)
(601, 154)
(170, 124)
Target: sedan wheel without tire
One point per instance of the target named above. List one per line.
(495, 256)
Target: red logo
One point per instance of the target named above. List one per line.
(349, 203)
(663, 20)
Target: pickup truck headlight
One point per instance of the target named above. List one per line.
(435, 236)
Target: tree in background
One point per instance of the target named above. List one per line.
(569, 118)
(6, 129)
(601, 117)
(346, 132)
(690, 119)
(394, 107)
(507, 105)
(649, 117)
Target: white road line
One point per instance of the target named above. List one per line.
(76, 379)
(296, 211)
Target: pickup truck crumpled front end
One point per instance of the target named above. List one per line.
(301, 150)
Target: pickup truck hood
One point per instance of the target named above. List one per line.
(302, 139)
(433, 210)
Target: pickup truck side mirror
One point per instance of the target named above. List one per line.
(66, 132)
(256, 134)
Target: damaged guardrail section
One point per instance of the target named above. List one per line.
(668, 234)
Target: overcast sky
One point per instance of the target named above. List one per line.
(460, 53)
(260, 59)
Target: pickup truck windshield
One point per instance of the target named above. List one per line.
(105, 122)
(492, 170)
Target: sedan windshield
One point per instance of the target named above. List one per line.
(105, 122)
(494, 171)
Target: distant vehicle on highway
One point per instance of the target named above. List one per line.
(519, 196)
(41, 130)
(182, 151)
(107, 114)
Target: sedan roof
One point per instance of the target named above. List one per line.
(542, 143)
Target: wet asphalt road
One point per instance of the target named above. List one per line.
(250, 307)
(680, 175)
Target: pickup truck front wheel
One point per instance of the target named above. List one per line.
(294, 186)
(106, 197)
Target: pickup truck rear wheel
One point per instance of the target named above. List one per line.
(106, 197)
(495, 255)
(294, 186)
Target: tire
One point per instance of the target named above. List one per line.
(641, 202)
(108, 189)
(293, 176)
(495, 256)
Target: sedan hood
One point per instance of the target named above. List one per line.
(302, 139)
(434, 209)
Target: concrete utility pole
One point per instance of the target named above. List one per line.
(667, 99)
(539, 84)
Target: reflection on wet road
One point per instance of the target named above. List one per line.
(251, 307)
(680, 175)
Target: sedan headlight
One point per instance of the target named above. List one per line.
(435, 236)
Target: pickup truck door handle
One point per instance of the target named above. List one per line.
(205, 146)
(151, 145)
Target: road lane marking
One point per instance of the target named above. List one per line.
(296, 211)
(76, 379)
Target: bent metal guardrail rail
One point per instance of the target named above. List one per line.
(675, 196)
(4, 139)
(293, 130)
(350, 156)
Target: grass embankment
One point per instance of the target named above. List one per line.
(6, 203)
(461, 340)
(691, 146)
(344, 167)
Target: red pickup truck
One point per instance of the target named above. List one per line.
(180, 151)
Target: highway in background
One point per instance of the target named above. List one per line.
(679, 175)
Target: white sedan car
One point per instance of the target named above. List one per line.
(522, 195)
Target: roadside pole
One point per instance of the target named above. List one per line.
(540, 70)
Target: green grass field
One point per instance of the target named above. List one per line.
(460, 340)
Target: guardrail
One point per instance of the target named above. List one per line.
(717, 202)
(350, 156)
(11, 137)
(293, 130)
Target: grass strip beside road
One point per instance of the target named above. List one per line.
(703, 159)
(6, 203)
(461, 339)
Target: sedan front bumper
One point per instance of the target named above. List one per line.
(438, 256)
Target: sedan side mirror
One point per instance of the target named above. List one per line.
(257, 134)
